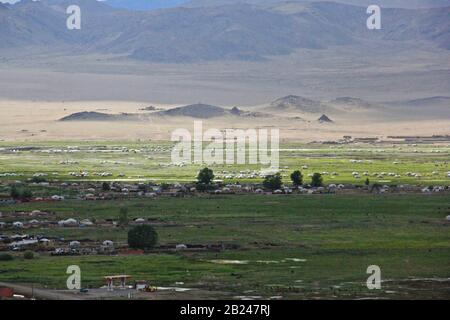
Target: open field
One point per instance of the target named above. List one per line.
(284, 246)
(241, 245)
(384, 163)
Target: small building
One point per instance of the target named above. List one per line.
(18, 225)
(181, 247)
(68, 223)
(86, 222)
(108, 243)
(34, 222)
(19, 245)
(74, 244)
(44, 242)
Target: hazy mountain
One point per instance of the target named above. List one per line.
(199, 110)
(439, 101)
(145, 4)
(100, 116)
(237, 31)
(351, 104)
(89, 116)
(158, 4)
(294, 103)
(408, 4)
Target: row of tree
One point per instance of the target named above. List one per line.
(273, 182)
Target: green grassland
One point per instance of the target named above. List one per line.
(335, 238)
(144, 161)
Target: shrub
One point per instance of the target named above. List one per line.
(6, 257)
(27, 194)
(123, 217)
(165, 186)
(142, 237)
(38, 179)
(28, 255)
(20, 192)
(14, 192)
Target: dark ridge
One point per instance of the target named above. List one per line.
(324, 119)
(199, 110)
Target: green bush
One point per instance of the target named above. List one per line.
(38, 179)
(27, 194)
(297, 178)
(142, 237)
(273, 182)
(205, 176)
(106, 186)
(28, 255)
(6, 257)
(123, 217)
(317, 180)
(19, 192)
(15, 192)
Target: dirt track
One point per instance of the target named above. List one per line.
(40, 294)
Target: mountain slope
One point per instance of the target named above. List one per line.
(407, 4)
(145, 4)
(229, 32)
(201, 111)
(294, 103)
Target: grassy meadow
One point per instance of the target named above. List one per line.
(144, 161)
(293, 247)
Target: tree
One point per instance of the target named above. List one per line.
(273, 182)
(142, 237)
(123, 217)
(297, 178)
(376, 187)
(106, 186)
(26, 194)
(205, 176)
(317, 180)
(20, 192)
(15, 192)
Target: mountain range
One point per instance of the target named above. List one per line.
(285, 107)
(198, 32)
(157, 4)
